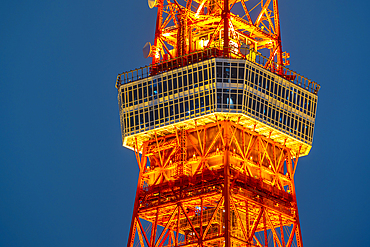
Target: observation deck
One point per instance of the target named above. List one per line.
(205, 88)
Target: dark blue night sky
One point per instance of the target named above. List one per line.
(65, 179)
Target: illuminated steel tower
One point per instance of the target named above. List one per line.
(217, 124)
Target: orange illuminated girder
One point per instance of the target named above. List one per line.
(186, 26)
(215, 185)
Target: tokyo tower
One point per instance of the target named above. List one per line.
(217, 123)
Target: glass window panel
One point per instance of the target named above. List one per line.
(180, 84)
(135, 95)
(145, 91)
(233, 72)
(241, 73)
(190, 80)
(253, 79)
(240, 99)
(226, 74)
(185, 81)
(175, 84)
(165, 89)
(161, 114)
(130, 96)
(131, 122)
(181, 108)
(140, 95)
(159, 86)
(156, 113)
(205, 73)
(155, 88)
(136, 121)
(219, 72)
(232, 100)
(146, 119)
(170, 85)
(176, 109)
(140, 92)
(219, 98)
(191, 100)
(186, 108)
(171, 109)
(141, 119)
(166, 112)
(196, 103)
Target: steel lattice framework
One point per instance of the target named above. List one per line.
(216, 183)
(217, 128)
(184, 27)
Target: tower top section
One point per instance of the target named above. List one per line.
(216, 60)
(213, 90)
(232, 26)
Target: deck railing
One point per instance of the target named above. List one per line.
(195, 57)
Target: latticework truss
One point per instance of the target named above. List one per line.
(188, 26)
(215, 185)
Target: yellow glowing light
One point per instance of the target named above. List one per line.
(202, 43)
(234, 46)
(157, 55)
(200, 8)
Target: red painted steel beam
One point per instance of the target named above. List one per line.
(226, 18)
(227, 185)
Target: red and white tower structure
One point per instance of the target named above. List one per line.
(217, 124)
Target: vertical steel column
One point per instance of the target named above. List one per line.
(226, 191)
(135, 216)
(247, 220)
(178, 226)
(298, 229)
(277, 32)
(265, 228)
(181, 34)
(226, 18)
(154, 229)
(292, 191)
(158, 29)
(282, 231)
(201, 223)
